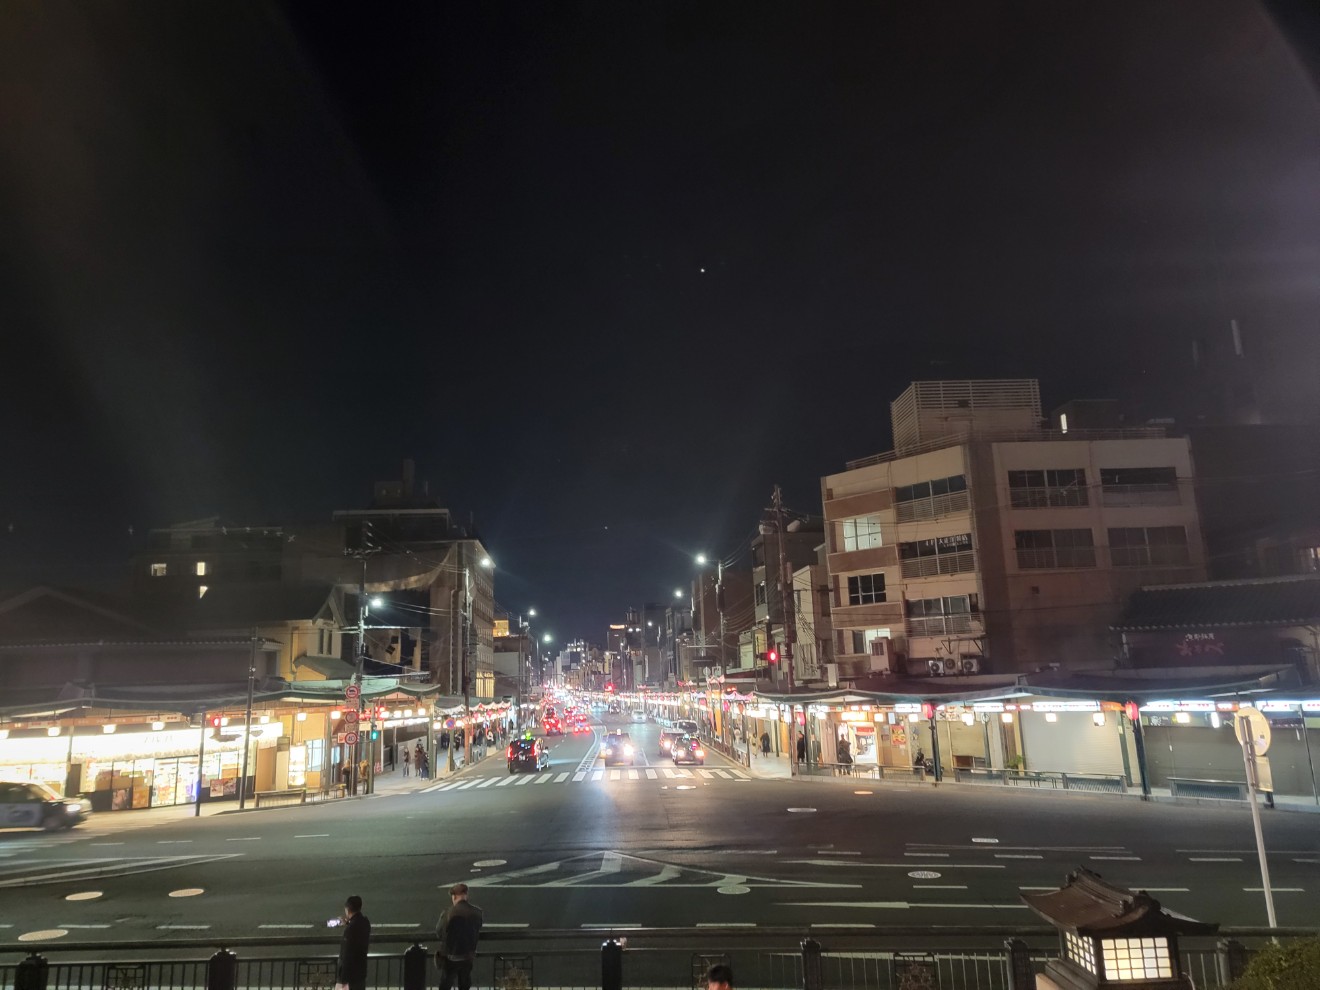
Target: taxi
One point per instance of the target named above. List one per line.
(28, 805)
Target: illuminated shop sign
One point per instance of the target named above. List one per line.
(1179, 706)
(1062, 706)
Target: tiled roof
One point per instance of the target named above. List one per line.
(1219, 604)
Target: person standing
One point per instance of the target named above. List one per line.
(352, 967)
(765, 743)
(425, 769)
(458, 930)
(405, 762)
(719, 978)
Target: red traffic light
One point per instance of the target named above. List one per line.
(609, 687)
(772, 656)
(215, 721)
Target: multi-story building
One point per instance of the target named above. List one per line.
(989, 540)
(772, 569)
(813, 649)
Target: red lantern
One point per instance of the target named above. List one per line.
(927, 710)
(1132, 711)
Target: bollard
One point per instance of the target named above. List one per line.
(811, 968)
(414, 967)
(1231, 960)
(611, 965)
(1021, 974)
(222, 971)
(31, 973)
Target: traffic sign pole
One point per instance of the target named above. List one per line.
(1248, 728)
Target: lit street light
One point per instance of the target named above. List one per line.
(678, 592)
(701, 559)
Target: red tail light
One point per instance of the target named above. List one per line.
(509, 754)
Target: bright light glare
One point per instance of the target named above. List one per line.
(487, 562)
(547, 638)
(377, 602)
(701, 559)
(678, 592)
(531, 613)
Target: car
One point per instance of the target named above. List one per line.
(618, 748)
(27, 805)
(638, 715)
(688, 749)
(528, 754)
(683, 727)
(553, 727)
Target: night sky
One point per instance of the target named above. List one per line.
(608, 272)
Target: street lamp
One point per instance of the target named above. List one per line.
(678, 592)
(487, 563)
(377, 601)
(701, 560)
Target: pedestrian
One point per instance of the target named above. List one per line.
(802, 749)
(765, 744)
(458, 930)
(719, 977)
(426, 766)
(405, 762)
(845, 756)
(351, 971)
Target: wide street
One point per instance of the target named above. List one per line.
(582, 846)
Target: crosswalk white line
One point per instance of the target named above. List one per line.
(724, 775)
(525, 780)
(580, 775)
(706, 774)
(561, 778)
(615, 774)
(466, 784)
(598, 775)
(650, 774)
(505, 782)
(633, 775)
(545, 778)
(488, 782)
(671, 774)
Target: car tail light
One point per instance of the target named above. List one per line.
(701, 754)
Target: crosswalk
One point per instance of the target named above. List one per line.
(597, 776)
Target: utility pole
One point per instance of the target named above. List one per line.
(247, 720)
(359, 667)
(467, 645)
(719, 607)
(785, 587)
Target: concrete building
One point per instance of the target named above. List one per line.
(772, 570)
(987, 541)
(813, 651)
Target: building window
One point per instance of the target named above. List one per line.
(159, 570)
(928, 499)
(946, 616)
(864, 640)
(1148, 546)
(1049, 549)
(201, 568)
(866, 589)
(1059, 488)
(201, 591)
(760, 593)
(1139, 486)
(1136, 959)
(942, 555)
(862, 533)
(1080, 950)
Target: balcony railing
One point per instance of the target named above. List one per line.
(946, 563)
(943, 625)
(931, 507)
(1126, 496)
(958, 437)
(1048, 498)
(1150, 556)
(1055, 558)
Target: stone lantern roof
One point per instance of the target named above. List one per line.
(1089, 906)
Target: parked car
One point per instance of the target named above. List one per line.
(688, 749)
(26, 805)
(528, 754)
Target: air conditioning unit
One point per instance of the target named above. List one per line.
(831, 674)
(937, 668)
(969, 665)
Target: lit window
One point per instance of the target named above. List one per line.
(1063, 422)
(862, 533)
(1080, 950)
(201, 590)
(201, 568)
(159, 570)
(1137, 959)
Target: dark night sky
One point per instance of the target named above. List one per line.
(253, 255)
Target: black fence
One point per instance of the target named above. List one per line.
(773, 959)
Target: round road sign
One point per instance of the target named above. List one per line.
(350, 738)
(351, 717)
(352, 692)
(1259, 725)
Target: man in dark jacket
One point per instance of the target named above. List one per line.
(352, 967)
(458, 930)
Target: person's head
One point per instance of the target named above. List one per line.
(353, 905)
(719, 978)
(458, 892)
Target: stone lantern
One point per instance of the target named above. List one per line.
(1110, 936)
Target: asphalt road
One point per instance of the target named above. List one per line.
(585, 847)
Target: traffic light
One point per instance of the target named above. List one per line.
(610, 687)
(216, 721)
(772, 656)
(375, 734)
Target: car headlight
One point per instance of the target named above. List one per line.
(72, 808)
(627, 751)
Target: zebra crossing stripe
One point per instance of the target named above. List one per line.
(597, 775)
(506, 781)
(561, 778)
(615, 774)
(706, 774)
(544, 777)
(723, 775)
(488, 781)
(580, 775)
(453, 786)
(524, 780)
(650, 774)
(467, 784)
(671, 774)
(633, 775)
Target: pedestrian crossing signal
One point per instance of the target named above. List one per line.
(375, 734)
(772, 656)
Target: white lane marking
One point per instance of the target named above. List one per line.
(246, 838)
(467, 784)
(633, 775)
(896, 905)
(838, 852)
(452, 785)
(1306, 860)
(524, 780)
(284, 926)
(182, 928)
(941, 886)
(671, 773)
(66, 925)
(579, 776)
(545, 778)
(505, 924)
(1018, 856)
(651, 774)
(434, 787)
(506, 781)
(597, 775)
(173, 842)
(314, 835)
(561, 778)
(105, 843)
(996, 907)
(723, 774)
(622, 924)
(706, 774)
(1215, 859)
(842, 924)
(1126, 859)
(977, 838)
(899, 866)
(1250, 890)
(396, 924)
(489, 782)
(726, 924)
(929, 855)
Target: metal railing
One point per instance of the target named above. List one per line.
(1124, 496)
(1214, 790)
(869, 771)
(821, 958)
(1048, 497)
(1047, 779)
(956, 438)
(1054, 558)
(944, 625)
(931, 507)
(945, 563)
